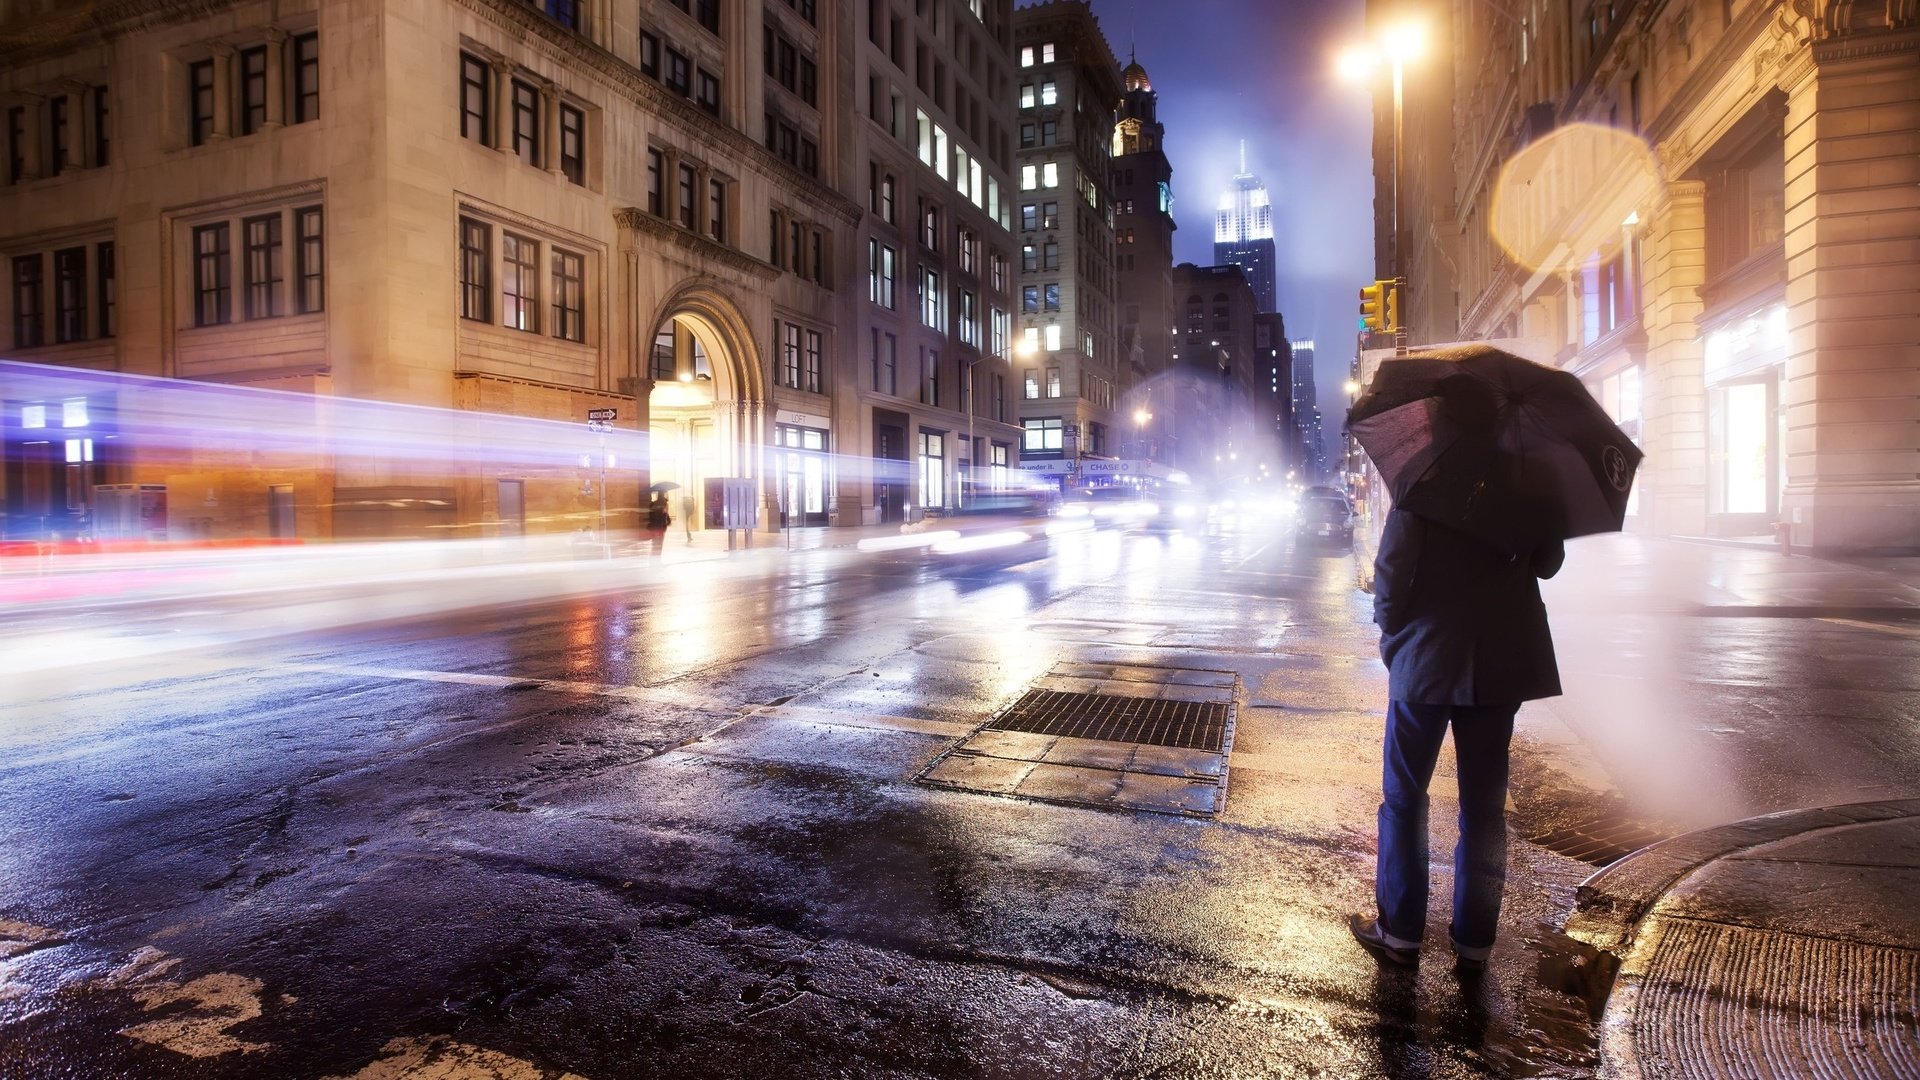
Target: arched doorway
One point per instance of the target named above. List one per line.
(706, 411)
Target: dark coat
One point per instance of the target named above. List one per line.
(1461, 622)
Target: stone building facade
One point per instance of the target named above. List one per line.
(524, 208)
(927, 408)
(1143, 245)
(1072, 369)
(1750, 314)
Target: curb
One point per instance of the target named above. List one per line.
(1610, 905)
(1612, 915)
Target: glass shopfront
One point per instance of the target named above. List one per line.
(802, 453)
(1746, 422)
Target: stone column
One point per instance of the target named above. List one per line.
(502, 105)
(1852, 390)
(276, 78)
(222, 92)
(1673, 479)
(550, 127)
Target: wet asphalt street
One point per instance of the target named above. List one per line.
(671, 829)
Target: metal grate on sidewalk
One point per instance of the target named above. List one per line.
(1191, 725)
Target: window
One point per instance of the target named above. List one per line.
(707, 13)
(1049, 93)
(306, 78)
(1041, 434)
(569, 296)
(1053, 373)
(1029, 217)
(564, 12)
(649, 55)
(930, 226)
(880, 271)
(476, 270)
(796, 248)
(1026, 96)
(1086, 343)
(1050, 255)
(707, 92)
(1029, 299)
(1050, 215)
(573, 143)
(1027, 139)
(812, 363)
(519, 287)
(885, 355)
(886, 199)
(1053, 296)
(656, 168)
(1046, 53)
(1049, 133)
(200, 101)
(100, 140)
(929, 377)
(1026, 56)
(29, 317)
(679, 72)
(1031, 381)
(970, 317)
(253, 89)
(819, 257)
(930, 313)
(526, 122)
(1049, 175)
(104, 287)
(787, 339)
(1029, 258)
(309, 261)
(212, 280)
(261, 271)
(997, 272)
(1053, 345)
(69, 294)
(475, 102)
(687, 187)
(717, 210)
(16, 144)
(933, 468)
(969, 252)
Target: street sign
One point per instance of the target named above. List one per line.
(602, 414)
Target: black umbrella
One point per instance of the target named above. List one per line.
(1512, 451)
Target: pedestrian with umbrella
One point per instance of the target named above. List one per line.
(1492, 462)
(658, 519)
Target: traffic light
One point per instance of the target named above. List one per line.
(1391, 309)
(1373, 306)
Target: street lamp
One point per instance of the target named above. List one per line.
(1396, 46)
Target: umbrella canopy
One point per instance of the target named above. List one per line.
(1512, 451)
(664, 485)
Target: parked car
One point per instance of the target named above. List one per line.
(1325, 514)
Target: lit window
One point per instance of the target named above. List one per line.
(33, 416)
(73, 412)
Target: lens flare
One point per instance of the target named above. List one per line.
(1565, 199)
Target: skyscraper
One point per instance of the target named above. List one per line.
(1143, 221)
(1243, 233)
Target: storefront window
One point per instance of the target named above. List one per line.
(1745, 468)
(933, 469)
(803, 469)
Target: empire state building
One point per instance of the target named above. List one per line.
(1243, 233)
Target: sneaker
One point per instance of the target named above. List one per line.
(1374, 939)
(1469, 963)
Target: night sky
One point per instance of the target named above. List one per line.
(1262, 70)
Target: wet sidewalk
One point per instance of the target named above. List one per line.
(1785, 945)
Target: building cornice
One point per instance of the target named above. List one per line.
(82, 26)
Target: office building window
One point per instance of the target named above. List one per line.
(309, 261)
(29, 316)
(649, 55)
(200, 101)
(573, 144)
(253, 89)
(569, 296)
(1052, 294)
(105, 289)
(100, 116)
(930, 297)
(717, 209)
(70, 294)
(526, 122)
(564, 12)
(261, 269)
(1053, 381)
(1031, 384)
(688, 189)
(933, 468)
(519, 284)
(707, 92)
(475, 102)
(929, 377)
(476, 270)
(212, 276)
(656, 170)
(1029, 299)
(16, 144)
(306, 78)
(812, 371)
(1041, 434)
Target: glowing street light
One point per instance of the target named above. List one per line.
(1397, 45)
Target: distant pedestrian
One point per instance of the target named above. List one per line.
(1464, 636)
(657, 522)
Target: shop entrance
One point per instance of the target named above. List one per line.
(706, 407)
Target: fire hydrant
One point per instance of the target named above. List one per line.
(1783, 531)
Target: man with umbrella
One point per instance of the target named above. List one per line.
(658, 519)
(1492, 462)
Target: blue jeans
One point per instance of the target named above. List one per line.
(1480, 737)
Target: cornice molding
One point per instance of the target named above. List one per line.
(1863, 45)
(636, 220)
(82, 26)
(243, 200)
